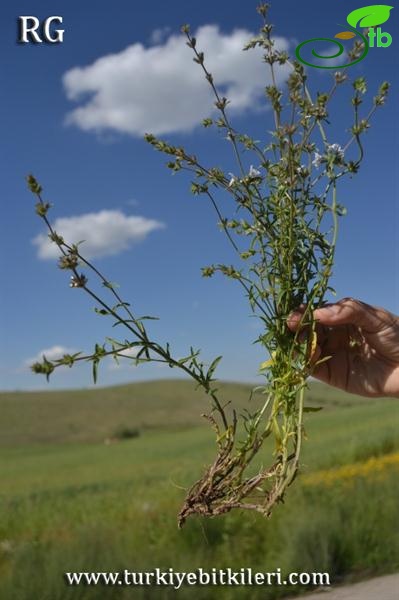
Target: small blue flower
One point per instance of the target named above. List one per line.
(254, 172)
(233, 180)
(318, 159)
(337, 151)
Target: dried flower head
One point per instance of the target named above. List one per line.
(78, 281)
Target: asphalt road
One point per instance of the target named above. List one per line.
(380, 588)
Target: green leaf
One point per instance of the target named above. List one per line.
(140, 326)
(95, 368)
(277, 434)
(325, 358)
(212, 367)
(369, 16)
(110, 285)
(120, 305)
(147, 318)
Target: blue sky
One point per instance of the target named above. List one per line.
(77, 123)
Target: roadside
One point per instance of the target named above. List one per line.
(382, 588)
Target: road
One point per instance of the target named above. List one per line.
(380, 588)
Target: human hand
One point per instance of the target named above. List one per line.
(363, 342)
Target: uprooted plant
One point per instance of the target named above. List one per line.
(283, 228)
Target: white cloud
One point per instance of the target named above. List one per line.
(330, 62)
(127, 353)
(159, 35)
(53, 353)
(105, 233)
(160, 90)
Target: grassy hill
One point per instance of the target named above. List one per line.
(95, 414)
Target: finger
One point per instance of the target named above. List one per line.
(294, 320)
(323, 334)
(349, 311)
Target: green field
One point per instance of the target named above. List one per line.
(77, 496)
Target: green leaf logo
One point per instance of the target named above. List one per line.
(369, 16)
